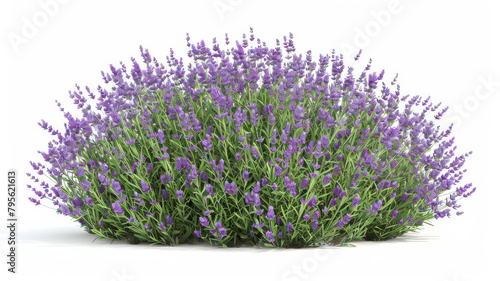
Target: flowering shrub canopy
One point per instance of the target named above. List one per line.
(250, 144)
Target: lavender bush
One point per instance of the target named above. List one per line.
(250, 145)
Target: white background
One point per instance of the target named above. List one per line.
(445, 49)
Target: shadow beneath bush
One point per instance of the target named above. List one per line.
(75, 236)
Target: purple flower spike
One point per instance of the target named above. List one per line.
(375, 207)
(230, 188)
(164, 194)
(327, 179)
(394, 214)
(246, 175)
(355, 201)
(117, 208)
(255, 153)
(116, 186)
(306, 217)
(89, 200)
(204, 221)
(180, 194)
(315, 225)
(169, 220)
(270, 213)
(162, 226)
(145, 186)
(64, 209)
(210, 189)
(304, 183)
(270, 236)
(324, 141)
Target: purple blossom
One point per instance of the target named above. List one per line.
(404, 197)
(316, 215)
(264, 181)
(255, 153)
(88, 200)
(203, 176)
(103, 179)
(342, 195)
(240, 117)
(375, 207)
(169, 220)
(256, 187)
(204, 221)
(117, 208)
(327, 178)
(210, 189)
(207, 142)
(252, 198)
(116, 186)
(85, 185)
(180, 194)
(270, 213)
(355, 201)
(306, 217)
(230, 188)
(394, 214)
(145, 186)
(304, 183)
(270, 236)
(220, 167)
(162, 226)
(318, 153)
(64, 209)
(324, 141)
(246, 175)
(272, 119)
(130, 142)
(164, 194)
(161, 136)
(312, 202)
(336, 190)
(333, 202)
(315, 225)
(298, 114)
(80, 172)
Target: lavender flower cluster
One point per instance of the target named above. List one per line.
(250, 144)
